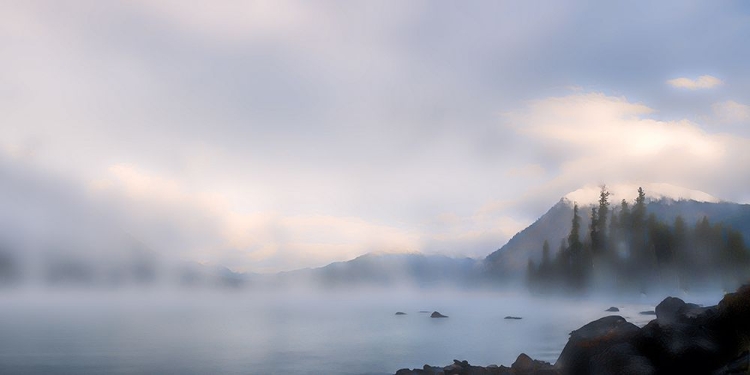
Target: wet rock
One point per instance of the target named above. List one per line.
(621, 359)
(524, 365)
(513, 317)
(648, 312)
(732, 316)
(739, 366)
(679, 348)
(667, 310)
(594, 339)
(406, 371)
(673, 309)
(683, 339)
(431, 370)
(612, 309)
(400, 313)
(458, 367)
(436, 314)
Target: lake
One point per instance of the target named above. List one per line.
(245, 332)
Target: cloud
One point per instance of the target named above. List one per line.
(606, 139)
(702, 82)
(165, 213)
(731, 112)
(204, 226)
(260, 134)
(528, 171)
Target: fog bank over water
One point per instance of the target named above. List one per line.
(297, 332)
(258, 187)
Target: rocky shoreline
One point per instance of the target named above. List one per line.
(683, 339)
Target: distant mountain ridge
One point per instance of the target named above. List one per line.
(383, 270)
(139, 265)
(665, 201)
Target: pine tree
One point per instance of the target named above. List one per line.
(574, 240)
(562, 260)
(737, 259)
(625, 221)
(594, 232)
(681, 252)
(532, 275)
(579, 264)
(544, 267)
(638, 218)
(601, 221)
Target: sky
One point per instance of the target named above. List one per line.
(276, 135)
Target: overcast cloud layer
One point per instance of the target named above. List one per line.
(276, 135)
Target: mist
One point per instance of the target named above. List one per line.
(300, 332)
(259, 187)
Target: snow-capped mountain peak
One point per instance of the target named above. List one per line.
(589, 194)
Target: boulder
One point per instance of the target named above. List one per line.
(679, 348)
(732, 316)
(668, 310)
(436, 314)
(612, 309)
(683, 339)
(524, 365)
(673, 309)
(458, 367)
(621, 359)
(431, 370)
(593, 339)
(739, 366)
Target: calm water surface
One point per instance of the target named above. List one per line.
(296, 333)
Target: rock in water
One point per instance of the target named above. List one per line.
(612, 309)
(436, 314)
(400, 313)
(513, 317)
(649, 312)
(683, 339)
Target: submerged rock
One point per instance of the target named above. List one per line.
(400, 313)
(513, 317)
(436, 314)
(612, 309)
(648, 312)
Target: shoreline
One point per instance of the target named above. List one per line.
(683, 338)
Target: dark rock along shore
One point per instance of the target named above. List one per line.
(683, 339)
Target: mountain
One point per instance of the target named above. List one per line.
(666, 202)
(384, 270)
(589, 194)
(511, 259)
